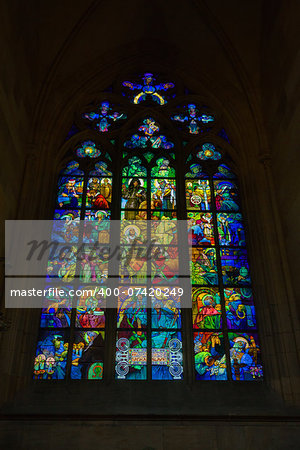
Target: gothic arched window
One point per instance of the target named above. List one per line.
(177, 301)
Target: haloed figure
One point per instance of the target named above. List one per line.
(135, 195)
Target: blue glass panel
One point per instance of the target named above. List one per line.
(240, 311)
(210, 360)
(167, 355)
(235, 267)
(87, 355)
(231, 230)
(131, 355)
(245, 357)
(226, 196)
(51, 355)
(132, 307)
(148, 88)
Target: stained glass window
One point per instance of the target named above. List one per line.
(73, 318)
(222, 298)
(176, 198)
(149, 333)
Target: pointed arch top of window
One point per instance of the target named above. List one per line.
(196, 171)
(163, 169)
(134, 168)
(224, 172)
(101, 169)
(72, 168)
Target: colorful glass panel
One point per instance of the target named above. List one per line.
(163, 230)
(149, 156)
(208, 152)
(224, 172)
(65, 226)
(235, 267)
(87, 355)
(88, 148)
(226, 196)
(165, 312)
(196, 171)
(206, 308)
(131, 355)
(97, 226)
(55, 318)
(140, 214)
(134, 195)
(163, 194)
(203, 266)
(200, 228)
(231, 230)
(51, 355)
(198, 195)
(149, 137)
(134, 168)
(240, 311)
(210, 359)
(100, 169)
(90, 312)
(148, 88)
(69, 193)
(193, 119)
(163, 169)
(56, 312)
(99, 193)
(162, 215)
(166, 355)
(72, 168)
(133, 232)
(245, 357)
(104, 117)
(62, 263)
(164, 264)
(71, 341)
(132, 308)
(93, 264)
(133, 264)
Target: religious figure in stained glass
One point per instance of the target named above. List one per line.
(148, 89)
(210, 359)
(134, 168)
(70, 192)
(200, 228)
(193, 118)
(99, 192)
(245, 357)
(103, 117)
(163, 169)
(150, 137)
(51, 356)
(134, 195)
